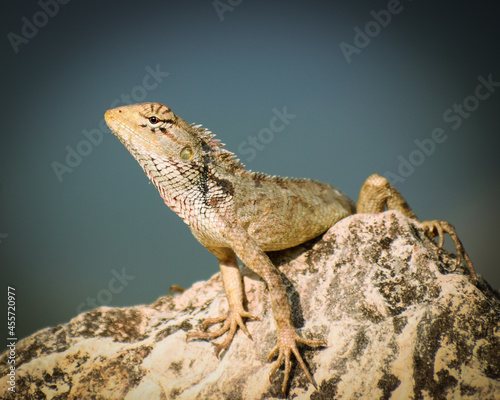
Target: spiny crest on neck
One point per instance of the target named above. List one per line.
(223, 156)
(228, 159)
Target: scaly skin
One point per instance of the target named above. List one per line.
(237, 213)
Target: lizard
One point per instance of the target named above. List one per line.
(237, 213)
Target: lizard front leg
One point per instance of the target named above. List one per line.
(231, 279)
(256, 259)
(377, 194)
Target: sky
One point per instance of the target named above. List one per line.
(407, 89)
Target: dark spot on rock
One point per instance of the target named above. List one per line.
(445, 381)
(399, 322)
(361, 341)
(122, 367)
(77, 358)
(123, 325)
(166, 332)
(319, 249)
(489, 353)
(165, 303)
(431, 334)
(61, 340)
(34, 350)
(385, 242)
(371, 313)
(57, 374)
(57, 379)
(403, 290)
(176, 366)
(467, 390)
(186, 326)
(388, 383)
(174, 393)
(327, 389)
(423, 359)
(236, 391)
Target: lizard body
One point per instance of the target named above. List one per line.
(238, 213)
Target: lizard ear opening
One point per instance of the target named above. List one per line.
(186, 153)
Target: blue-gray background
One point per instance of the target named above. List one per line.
(62, 242)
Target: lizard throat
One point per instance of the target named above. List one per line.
(194, 192)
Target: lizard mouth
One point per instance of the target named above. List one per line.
(117, 128)
(112, 121)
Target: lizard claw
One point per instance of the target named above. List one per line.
(287, 344)
(439, 228)
(231, 321)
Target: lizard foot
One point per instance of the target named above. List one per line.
(231, 320)
(439, 228)
(287, 344)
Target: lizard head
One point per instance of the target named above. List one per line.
(168, 148)
(152, 130)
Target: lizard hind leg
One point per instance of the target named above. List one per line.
(377, 194)
(233, 287)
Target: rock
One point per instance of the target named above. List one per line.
(398, 325)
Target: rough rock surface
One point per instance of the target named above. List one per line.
(398, 323)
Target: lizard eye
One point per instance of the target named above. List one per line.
(154, 120)
(186, 153)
